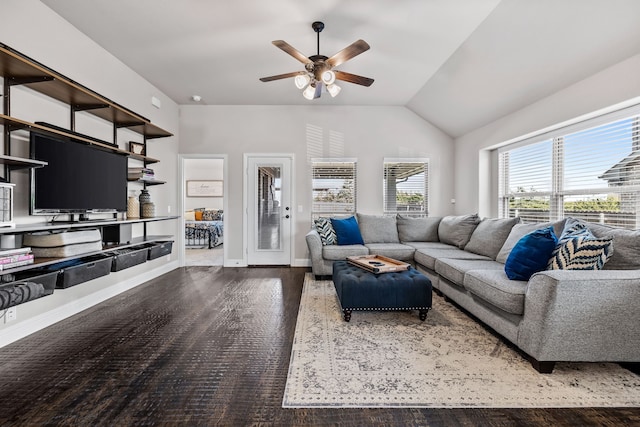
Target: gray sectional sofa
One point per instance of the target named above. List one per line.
(557, 315)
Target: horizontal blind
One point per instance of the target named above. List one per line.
(405, 186)
(333, 187)
(602, 173)
(592, 173)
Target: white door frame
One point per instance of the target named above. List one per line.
(247, 197)
(182, 194)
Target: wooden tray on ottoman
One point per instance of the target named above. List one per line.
(377, 263)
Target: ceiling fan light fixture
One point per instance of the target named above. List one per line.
(302, 80)
(333, 90)
(309, 92)
(328, 77)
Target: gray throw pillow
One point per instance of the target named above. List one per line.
(489, 236)
(520, 230)
(626, 246)
(418, 229)
(456, 230)
(378, 228)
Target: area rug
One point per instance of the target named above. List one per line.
(392, 359)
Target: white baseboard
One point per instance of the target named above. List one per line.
(235, 263)
(36, 323)
(301, 262)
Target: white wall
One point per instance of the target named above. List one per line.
(367, 133)
(203, 170)
(33, 29)
(476, 187)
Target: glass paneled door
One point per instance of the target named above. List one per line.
(269, 210)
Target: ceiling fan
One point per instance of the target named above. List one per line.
(319, 70)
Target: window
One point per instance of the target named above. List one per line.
(333, 183)
(405, 186)
(589, 171)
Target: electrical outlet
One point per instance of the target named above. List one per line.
(11, 314)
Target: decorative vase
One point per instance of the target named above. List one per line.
(145, 197)
(148, 210)
(133, 207)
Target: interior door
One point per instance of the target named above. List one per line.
(269, 210)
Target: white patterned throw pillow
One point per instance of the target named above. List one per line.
(582, 253)
(326, 231)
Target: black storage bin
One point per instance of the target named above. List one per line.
(128, 257)
(83, 270)
(158, 249)
(24, 288)
(46, 279)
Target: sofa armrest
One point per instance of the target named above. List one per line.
(582, 316)
(314, 243)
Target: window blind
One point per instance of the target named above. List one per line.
(592, 173)
(333, 186)
(405, 186)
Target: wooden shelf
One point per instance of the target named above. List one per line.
(41, 226)
(21, 70)
(148, 181)
(148, 160)
(20, 163)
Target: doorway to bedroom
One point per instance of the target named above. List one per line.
(203, 203)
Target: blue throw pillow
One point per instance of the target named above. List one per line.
(531, 254)
(347, 231)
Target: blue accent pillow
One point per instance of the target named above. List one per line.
(531, 254)
(347, 231)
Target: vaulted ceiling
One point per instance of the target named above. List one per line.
(459, 64)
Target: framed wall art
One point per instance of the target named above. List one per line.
(136, 148)
(204, 188)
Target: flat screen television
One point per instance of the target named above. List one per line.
(79, 178)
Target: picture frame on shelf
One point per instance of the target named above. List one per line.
(136, 148)
(205, 188)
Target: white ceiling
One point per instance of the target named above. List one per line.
(459, 64)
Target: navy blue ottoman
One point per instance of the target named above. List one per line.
(358, 289)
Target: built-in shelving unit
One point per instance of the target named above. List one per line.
(17, 69)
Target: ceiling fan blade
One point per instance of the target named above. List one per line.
(282, 76)
(318, 90)
(354, 49)
(291, 51)
(353, 78)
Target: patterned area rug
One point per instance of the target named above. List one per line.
(392, 359)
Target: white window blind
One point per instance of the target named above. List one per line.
(405, 186)
(592, 173)
(333, 186)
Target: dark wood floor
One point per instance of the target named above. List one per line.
(202, 346)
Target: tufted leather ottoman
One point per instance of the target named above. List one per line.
(358, 289)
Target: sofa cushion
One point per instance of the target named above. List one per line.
(347, 231)
(417, 229)
(378, 228)
(338, 252)
(326, 231)
(391, 250)
(520, 230)
(428, 257)
(430, 245)
(496, 288)
(455, 269)
(581, 253)
(456, 230)
(531, 254)
(626, 246)
(490, 235)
